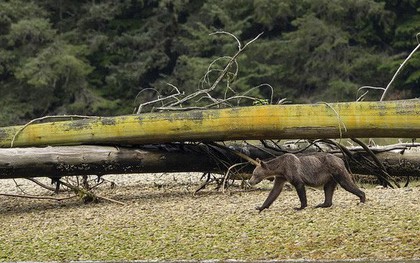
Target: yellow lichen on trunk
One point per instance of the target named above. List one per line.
(333, 120)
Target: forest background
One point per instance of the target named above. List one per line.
(94, 57)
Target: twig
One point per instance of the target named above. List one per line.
(399, 69)
(18, 186)
(87, 195)
(243, 156)
(228, 172)
(41, 184)
(344, 151)
(340, 121)
(174, 102)
(221, 76)
(44, 118)
(101, 181)
(160, 99)
(217, 102)
(240, 50)
(377, 162)
(230, 98)
(261, 149)
(213, 154)
(229, 34)
(209, 70)
(392, 147)
(110, 200)
(260, 86)
(277, 148)
(179, 109)
(146, 89)
(204, 184)
(367, 90)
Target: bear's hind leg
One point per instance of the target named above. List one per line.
(329, 189)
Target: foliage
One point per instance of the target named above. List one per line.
(94, 57)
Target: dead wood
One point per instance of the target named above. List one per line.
(62, 161)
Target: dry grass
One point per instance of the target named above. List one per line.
(170, 223)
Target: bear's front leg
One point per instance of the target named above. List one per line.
(274, 193)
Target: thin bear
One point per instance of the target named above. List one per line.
(320, 169)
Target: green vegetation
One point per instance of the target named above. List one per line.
(93, 57)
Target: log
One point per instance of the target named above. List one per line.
(336, 120)
(98, 160)
(405, 163)
(101, 160)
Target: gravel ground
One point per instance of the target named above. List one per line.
(163, 220)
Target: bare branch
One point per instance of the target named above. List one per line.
(42, 185)
(221, 76)
(229, 34)
(143, 90)
(399, 69)
(160, 99)
(230, 70)
(87, 195)
(340, 121)
(386, 177)
(367, 88)
(260, 86)
(225, 177)
(239, 154)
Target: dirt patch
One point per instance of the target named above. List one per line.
(163, 220)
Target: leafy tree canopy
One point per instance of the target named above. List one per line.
(94, 57)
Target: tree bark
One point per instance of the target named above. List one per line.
(336, 120)
(100, 160)
(396, 164)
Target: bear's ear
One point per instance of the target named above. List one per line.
(258, 161)
(263, 165)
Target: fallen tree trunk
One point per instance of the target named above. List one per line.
(336, 120)
(396, 164)
(100, 160)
